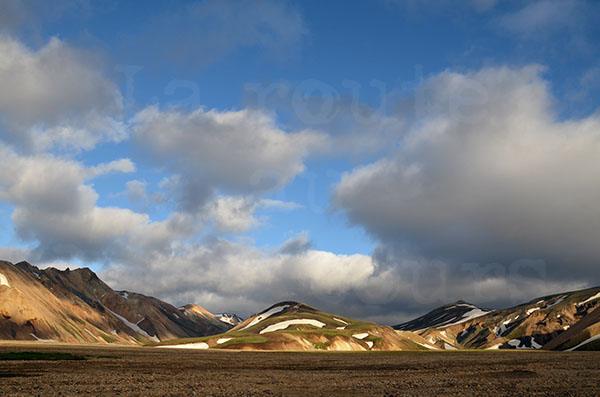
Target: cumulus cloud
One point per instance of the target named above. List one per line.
(55, 209)
(223, 274)
(236, 151)
(487, 174)
(56, 97)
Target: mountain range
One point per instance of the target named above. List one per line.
(75, 306)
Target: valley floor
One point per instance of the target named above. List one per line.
(162, 372)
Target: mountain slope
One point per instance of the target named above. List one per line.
(296, 326)
(454, 313)
(76, 306)
(229, 318)
(561, 321)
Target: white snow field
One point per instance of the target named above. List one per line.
(200, 346)
(285, 324)
(591, 298)
(133, 326)
(4, 280)
(265, 315)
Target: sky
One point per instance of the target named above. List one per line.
(374, 159)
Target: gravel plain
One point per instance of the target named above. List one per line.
(110, 370)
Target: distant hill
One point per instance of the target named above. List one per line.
(565, 321)
(229, 318)
(296, 326)
(76, 306)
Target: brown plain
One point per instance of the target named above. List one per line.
(111, 370)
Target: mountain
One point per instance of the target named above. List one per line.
(76, 306)
(229, 318)
(296, 326)
(566, 321)
(454, 313)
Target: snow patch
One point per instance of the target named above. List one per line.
(461, 304)
(200, 345)
(133, 326)
(470, 315)
(519, 345)
(360, 336)
(93, 336)
(285, 324)
(341, 321)
(535, 309)
(494, 347)
(503, 327)
(449, 347)
(42, 340)
(430, 347)
(369, 343)
(562, 298)
(125, 295)
(226, 318)
(4, 280)
(591, 298)
(266, 315)
(340, 328)
(223, 340)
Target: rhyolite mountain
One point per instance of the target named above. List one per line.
(299, 327)
(566, 321)
(76, 306)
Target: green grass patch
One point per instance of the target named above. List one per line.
(321, 345)
(53, 328)
(73, 317)
(39, 356)
(108, 338)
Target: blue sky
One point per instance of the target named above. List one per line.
(370, 158)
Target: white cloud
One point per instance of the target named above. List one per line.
(121, 165)
(232, 213)
(486, 174)
(56, 96)
(237, 151)
(55, 209)
(218, 272)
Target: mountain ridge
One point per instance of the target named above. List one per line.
(75, 306)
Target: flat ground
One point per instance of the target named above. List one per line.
(160, 372)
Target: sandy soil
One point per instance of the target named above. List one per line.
(158, 372)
